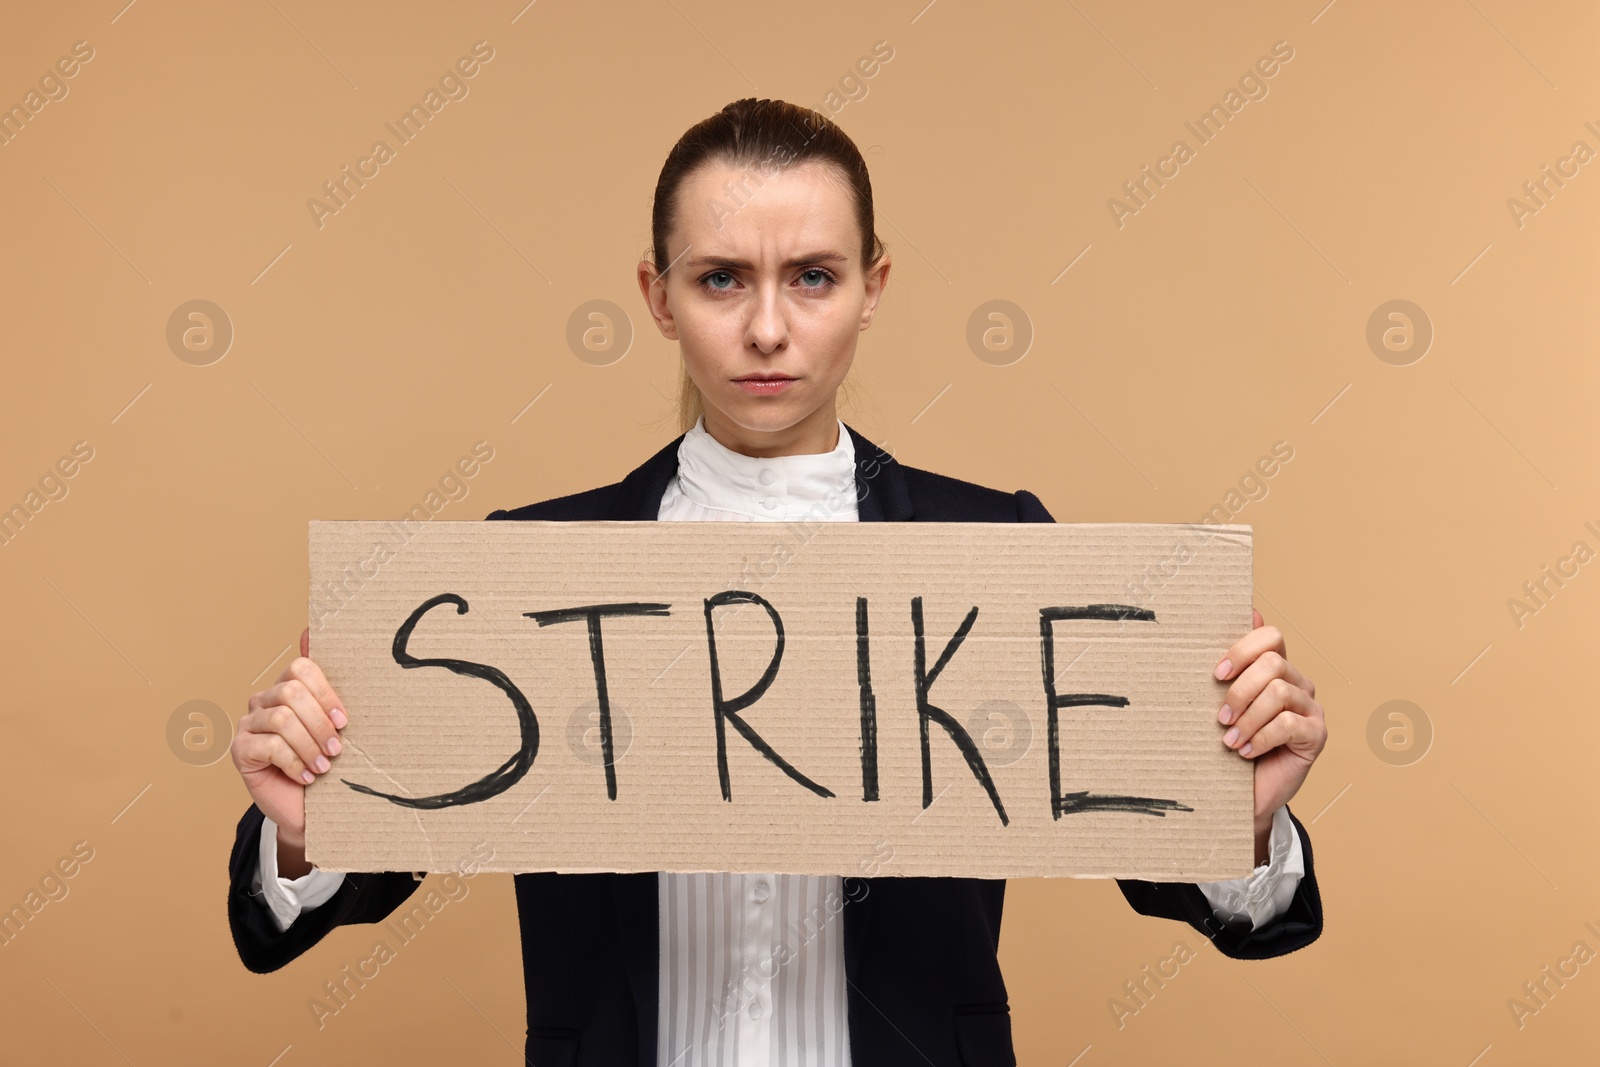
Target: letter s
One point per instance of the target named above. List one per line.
(84, 451)
(83, 50)
(883, 50)
(484, 451)
(1283, 450)
(483, 50)
(508, 773)
(1283, 50)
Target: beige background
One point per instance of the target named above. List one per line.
(1228, 314)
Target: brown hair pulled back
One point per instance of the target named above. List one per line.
(764, 134)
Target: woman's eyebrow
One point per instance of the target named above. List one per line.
(795, 261)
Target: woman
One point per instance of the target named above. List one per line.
(766, 268)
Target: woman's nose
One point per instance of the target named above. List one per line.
(768, 328)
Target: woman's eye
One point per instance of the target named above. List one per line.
(722, 281)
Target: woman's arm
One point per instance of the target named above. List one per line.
(362, 898)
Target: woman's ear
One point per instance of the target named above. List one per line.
(877, 281)
(655, 297)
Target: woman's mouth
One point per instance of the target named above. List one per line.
(764, 384)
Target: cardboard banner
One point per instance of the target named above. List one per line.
(989, 700)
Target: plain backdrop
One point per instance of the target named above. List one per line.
(1172, 346)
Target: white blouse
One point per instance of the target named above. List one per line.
(752, 965)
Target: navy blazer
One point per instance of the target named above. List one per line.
(921, 963)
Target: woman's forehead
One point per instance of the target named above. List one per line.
(738, 211)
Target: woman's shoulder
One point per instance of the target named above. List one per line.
(943, 498)
(589, 504)
(636, 496)
(925, 495)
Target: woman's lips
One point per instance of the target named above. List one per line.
(764, 386)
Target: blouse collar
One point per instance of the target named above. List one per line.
(778, 487)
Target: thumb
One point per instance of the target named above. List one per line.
(305, 642)
(1259, 623)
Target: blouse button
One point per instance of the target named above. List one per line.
(769, 503)
(766, 477)
(759, 891)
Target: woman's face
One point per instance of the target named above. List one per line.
(766, 295)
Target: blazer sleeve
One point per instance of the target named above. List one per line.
(362, 898)
(1297, 927)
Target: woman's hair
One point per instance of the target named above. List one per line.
(764, 134)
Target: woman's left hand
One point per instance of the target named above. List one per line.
(1272, 717)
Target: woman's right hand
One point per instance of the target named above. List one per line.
(288, 735)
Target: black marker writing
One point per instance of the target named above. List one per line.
(869, 706)
(1085, 801)
(597, 656)
(508, 773)
(926, 711)
(728, 710)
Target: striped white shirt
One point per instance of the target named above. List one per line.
(752, 965)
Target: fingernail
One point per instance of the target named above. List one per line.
(321, 765)
(1230, 737)
(307, 777)
(1223, 668)
(1225, 716)
(333, 746)
(338, 717)
(1245, 751)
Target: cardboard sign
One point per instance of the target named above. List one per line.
(989, 700)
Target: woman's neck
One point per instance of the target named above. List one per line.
(818, 432)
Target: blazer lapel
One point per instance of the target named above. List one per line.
(881, 492)
(639, 495)
(882, 495)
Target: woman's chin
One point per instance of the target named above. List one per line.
(766, 415)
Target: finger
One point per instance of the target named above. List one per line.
(1300, 732)
(284, 721)
(298, 698)
(1247, 648)
(1254, 680)
(1278, 696)
(1256, 621)
(307, 673)
(305, 642)
(253, 751)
